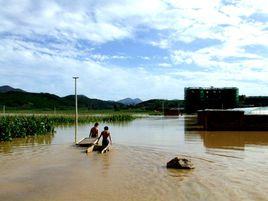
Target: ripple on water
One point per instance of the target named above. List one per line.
(51, 168)
(125, 173)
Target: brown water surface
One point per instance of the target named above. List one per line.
(229, 165)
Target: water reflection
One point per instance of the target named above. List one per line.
(171, 133)
(7, 147)
(135, 168)
(227, 140)
(103, 161)
(190, 123)
(223, 139)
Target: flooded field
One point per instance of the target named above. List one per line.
(229, 165)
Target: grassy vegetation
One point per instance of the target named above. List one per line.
(13, 126)
(82, 111)
(70, 119)
(21, 126)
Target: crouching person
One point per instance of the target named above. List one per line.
(105, 135)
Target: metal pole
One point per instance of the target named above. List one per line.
(163, 108)
(76, 109)
(179, 111)
(4, 109)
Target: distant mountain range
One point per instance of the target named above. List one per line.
(7, 88)
(130, 101)
(18, 98)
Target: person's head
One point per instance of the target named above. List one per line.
(96, 124)
(106, 128)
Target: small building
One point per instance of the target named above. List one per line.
(210, 98)
(231, 120)
(173, 112)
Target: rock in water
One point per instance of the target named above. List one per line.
(180, 163)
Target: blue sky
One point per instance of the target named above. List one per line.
(134, 48)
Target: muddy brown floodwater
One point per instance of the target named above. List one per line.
(229, 165)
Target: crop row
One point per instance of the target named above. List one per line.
(69, 119)
(12, 126)
(22, 126)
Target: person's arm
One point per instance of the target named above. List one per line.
(110, 139)
(90, 133)
(99, 138)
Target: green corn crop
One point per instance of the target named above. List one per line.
(22, 126)
(28, 125)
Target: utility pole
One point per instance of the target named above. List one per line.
(4, 109)
(163, 108)
(76, 109)
(179, 111)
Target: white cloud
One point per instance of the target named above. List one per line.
(218, 57)
(22, 68)
(165, 65)
(102, 57)
(102, 21)
(164, 43)
(32, 61)
(58, 20)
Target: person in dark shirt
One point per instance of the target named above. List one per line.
(94, 131)
(105, 135)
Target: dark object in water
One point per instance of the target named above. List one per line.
(105, 148)
(180, 163)
(99, 148)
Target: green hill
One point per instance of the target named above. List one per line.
(26, 100)
(157, 104)
(19, 99)
(7, 88)
(86, 102)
